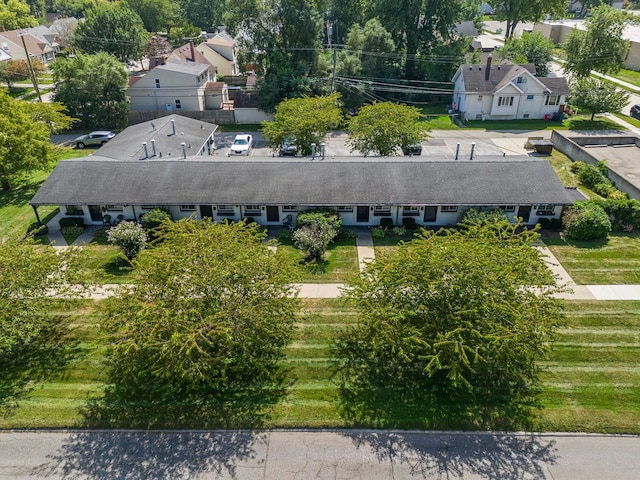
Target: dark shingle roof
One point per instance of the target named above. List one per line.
(127, 145)
(305, 182)
(475, 78)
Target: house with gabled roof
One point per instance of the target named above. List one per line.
(175, 86)
(167, 162)
(507, 91)
(220, 51)
(11, 43)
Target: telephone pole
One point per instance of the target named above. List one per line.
(34, 80)
(332, 47)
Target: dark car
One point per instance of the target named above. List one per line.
(94, 139)
(635, 112)
(288, 148)
(413, 149)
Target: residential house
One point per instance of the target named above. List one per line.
(507, 92)
(11, 41)
(134, 173)
(188, 53)
(220, 51)
(175, 86)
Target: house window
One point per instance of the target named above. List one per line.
(157, 83)
(149, 207)
(479, 98)
(115, 208)
(227, 210)
(508, 208)
(74, 210)
(410, 211)
(381, 210)
(521, 80)
(345, 208)
(545, 210)
(252, 210)
(290, 208)
(552, 100)
(526, 115)
(178, 105)
(448, 208)
(529, 97)
(505, 101)
(187, 208)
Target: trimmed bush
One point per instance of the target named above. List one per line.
(624, 213)
(378, 232)
(474, 216)
(129, 236)
(576, 166)
(154, 218)
(399, 231)
(311, 217)
(409, 223)
(386, 222)
(345, 233)
(586, 221)
(71, 222)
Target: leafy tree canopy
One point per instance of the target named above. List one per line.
(447, 335)
(532, 47)
(113, 28)
(156, 15)
(307, 119)
(600, 47)
(26, 128)
(18, 70)
(16, 14)
(519, 11)
(597, 96)
(92, 87)
(204, 14)
(199, 339)
(380, 128)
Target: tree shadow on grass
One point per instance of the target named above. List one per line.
(27, 364)
(155, 455)
(486, 455)
(596, 125)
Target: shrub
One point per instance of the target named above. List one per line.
(378, 232)
(474, 216)
(624, 213)
(129, 236)
(284, 235)
(313, 239)
(37, 229)
(409, 223)
(386, 222)
(577, 166)
(330, 217)
(345, 233)
(399, 231)
(71, 222)
(72, 231)
(586, 221)
(248, 220)
(154, 218)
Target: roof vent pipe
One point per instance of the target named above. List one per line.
(313, 151)
(473, 147)
(153, 147)
(322, 150)
(173, 126)
(146, 152)
(184, 150)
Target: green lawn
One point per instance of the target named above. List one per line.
(340, 261)
(629, 76)
(615, 260)
(576, 122)
(591, 380)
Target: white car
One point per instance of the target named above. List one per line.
(242, 145)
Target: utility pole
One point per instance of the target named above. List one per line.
(329, 35)
(34, 80)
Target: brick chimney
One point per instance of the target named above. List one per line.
(487, 70)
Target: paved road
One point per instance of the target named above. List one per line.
(284, 455)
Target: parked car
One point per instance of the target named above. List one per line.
(94, 139)
(413, 149)
(635, 112)
(241, 145)
(288, 148)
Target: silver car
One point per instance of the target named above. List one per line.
(97, 138)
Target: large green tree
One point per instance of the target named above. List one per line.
(451, 328)
(156, 15)
(25, 130)
(113, 28)
(532, 47)
(92, 87)
(600, 46)
(381, 128)
(307, 119)
(198, 341)
(18, 70)
(205, 14)
(519, 11)
(597, 96)
(15, 14)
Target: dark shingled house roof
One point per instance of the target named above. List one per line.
(304, 182)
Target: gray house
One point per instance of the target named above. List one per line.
(168, 163)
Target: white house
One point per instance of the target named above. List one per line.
(507, 92)
(175, 86)
(220, 51)
(36, 46)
